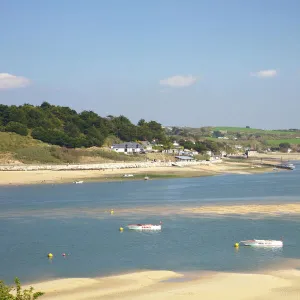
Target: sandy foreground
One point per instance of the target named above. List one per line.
(68, 176)
(282, 284)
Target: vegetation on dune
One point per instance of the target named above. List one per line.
(12, 141)
(57, 155)
(16, 292)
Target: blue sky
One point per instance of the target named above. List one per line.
(189, 63)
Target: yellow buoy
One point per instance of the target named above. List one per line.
(50, 255)
(112, 212)
(121, 228)
(236, 245)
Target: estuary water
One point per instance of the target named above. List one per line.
(76, 220)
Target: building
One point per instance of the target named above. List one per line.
(129, 147)
(251, 152)
(184, 158)
(146, 145)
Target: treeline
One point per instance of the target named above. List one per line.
(206, 145)
(63, 126)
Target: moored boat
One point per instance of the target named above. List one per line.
(144, 227)
(78, 182)
(261, 243)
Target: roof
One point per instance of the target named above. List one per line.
(184, 157)
(127, 145)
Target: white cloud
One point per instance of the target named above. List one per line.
(178, 81)
(8, 81)
(265, 73)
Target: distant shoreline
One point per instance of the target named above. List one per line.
(136, 173)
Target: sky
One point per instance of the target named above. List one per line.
(179, 62)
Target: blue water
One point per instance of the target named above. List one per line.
(74, 219)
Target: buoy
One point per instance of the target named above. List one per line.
(236, 245)
(64, 254)
(121, 228)
(50, 255)
(112, 212)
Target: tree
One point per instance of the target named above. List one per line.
(17, 128)
(218, 133)
(16, 293)
(284, 147)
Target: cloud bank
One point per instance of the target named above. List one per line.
(9, 81)
(265, 74)
(178, 81)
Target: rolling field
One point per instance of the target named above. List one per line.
(253, 130)
(277, 142)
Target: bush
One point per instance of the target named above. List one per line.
(17, 128)
(16, 293)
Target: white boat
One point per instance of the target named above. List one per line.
(261, 243)
(78, 182)
(144, 227)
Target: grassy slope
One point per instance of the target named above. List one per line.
(15, 148)
(10, 142)
(252, 130)
(290, 141)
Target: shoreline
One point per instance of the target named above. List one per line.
(164, 284)
(108, 174)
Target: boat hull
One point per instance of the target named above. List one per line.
(261, 243)
(144, 227)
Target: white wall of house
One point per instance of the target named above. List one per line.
(129, 150)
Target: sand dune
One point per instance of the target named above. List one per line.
(150, 285)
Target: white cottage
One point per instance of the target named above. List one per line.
(129, 147)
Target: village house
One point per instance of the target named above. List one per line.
(251, 152)
(184, 158)
(129, 147)
(147, 146)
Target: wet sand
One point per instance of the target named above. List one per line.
(281, 284)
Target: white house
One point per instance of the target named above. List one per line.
(128, 148)
(146, 145)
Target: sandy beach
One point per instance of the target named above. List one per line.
(68, 176)
(146, 285)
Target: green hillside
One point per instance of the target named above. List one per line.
(252, 130)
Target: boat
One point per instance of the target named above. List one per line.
(144, 227)
(146, 178)
(261, 243)
(286, 166)
(78, 182)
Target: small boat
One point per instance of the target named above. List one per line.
(78, 182)
(146, 178)
(286, 166)
(128, 175)
(144, 227)
(261, 243)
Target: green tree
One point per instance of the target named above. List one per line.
(17, 128)
(16, 292)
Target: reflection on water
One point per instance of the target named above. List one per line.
(75, 219)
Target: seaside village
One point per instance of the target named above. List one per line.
(177, 150)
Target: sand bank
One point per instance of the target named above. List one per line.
(68, 176)
(148, 285)
(263, 209)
